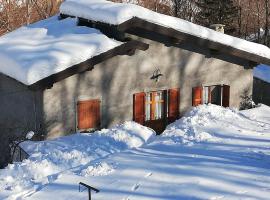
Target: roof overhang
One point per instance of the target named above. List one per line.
(141, 27)
(127, 48)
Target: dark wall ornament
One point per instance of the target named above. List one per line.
(156, 75)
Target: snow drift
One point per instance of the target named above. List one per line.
(211, 123)
(48, 158)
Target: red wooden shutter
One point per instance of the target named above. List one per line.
(88, 114)
(173, 104)
(139, 108)
(197, 96)
(226, 96)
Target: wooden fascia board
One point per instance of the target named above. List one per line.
(177, 35)
(89, 64)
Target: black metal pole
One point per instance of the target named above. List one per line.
(89, 189)
(89, 194)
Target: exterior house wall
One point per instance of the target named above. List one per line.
(115, 81)
(18, 108)
(261, 91)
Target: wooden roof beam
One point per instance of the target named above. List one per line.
(132, 24)
(127, 48)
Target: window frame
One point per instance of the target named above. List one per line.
(151, 105)
(208, 99)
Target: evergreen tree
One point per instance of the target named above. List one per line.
(217, 12)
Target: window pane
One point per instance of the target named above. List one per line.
(154, 106)
(147, 107)
(159, 105)
(216, 95)
(205, 95)
(157, 111)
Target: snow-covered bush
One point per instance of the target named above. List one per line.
(247, 102)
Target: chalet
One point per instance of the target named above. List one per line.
(100, 63)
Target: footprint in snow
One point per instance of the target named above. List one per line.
(241, 192)
(136, 186)
(217, 198)
(266, 189)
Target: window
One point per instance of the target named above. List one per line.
(156, 109)
(154, 105)
(212, 94)
(215, 94)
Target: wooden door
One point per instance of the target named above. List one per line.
(150, 109)
(88, 114)
(155, 111)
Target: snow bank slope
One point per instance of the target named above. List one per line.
(49, 158)
(117, 13)
(259, 114)
(34, 52)
(211, 123)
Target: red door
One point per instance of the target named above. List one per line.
(155, 110)
(88, 114)
(150, 109)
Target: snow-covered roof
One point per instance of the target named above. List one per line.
(37, 51)
(118, 13)
(262, 72)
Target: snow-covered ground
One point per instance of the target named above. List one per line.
(211, 153)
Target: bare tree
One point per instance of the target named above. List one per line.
(252, 21)
(266, 31)
(185, 9)
(14, 13)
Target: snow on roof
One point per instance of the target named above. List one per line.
(117, 13)
(262, 72)
(37, 51)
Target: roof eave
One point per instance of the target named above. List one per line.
(177, 36)
(127, 48)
